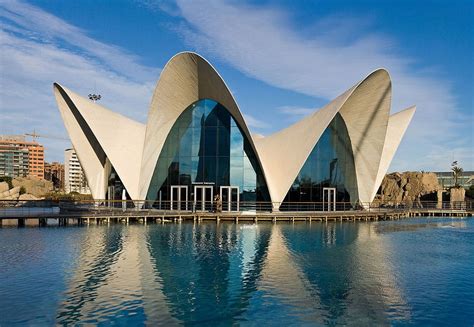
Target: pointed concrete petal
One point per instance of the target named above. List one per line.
(397, 126)
(364, 109)
(118, 138)
(366, 115)
(185, 79)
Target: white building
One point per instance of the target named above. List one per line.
(196, 144)
(74, 177)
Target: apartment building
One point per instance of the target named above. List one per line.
(19, 155)
(74, 177)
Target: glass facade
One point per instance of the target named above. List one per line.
(115, 189)
(115, 186)
(329, 165)
(206, 147)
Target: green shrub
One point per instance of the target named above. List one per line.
(22, 190)
(58, 196)
(73, 196)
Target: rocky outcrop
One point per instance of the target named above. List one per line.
(34, 189)
(407, 187)
(457, 194)
(12, 194)
(34, 186)
(3, 187)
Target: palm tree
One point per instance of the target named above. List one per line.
(457, 171)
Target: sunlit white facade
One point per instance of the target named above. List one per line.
(196, 144)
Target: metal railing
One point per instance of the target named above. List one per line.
(244, 206)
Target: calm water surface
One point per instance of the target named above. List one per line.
(411, 272)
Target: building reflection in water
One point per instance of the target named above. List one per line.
(114, 277)
(227, 273)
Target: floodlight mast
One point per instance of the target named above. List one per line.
(94, 97)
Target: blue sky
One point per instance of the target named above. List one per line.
(281, 60)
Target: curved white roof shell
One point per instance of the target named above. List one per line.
(185, 79)
(364, 108)
(100, 137)
(103, 138)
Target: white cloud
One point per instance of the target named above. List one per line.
(296, 111)
(253, 122)
(262, 43)
(38, 49)
(46, 28)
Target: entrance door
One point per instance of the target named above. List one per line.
(203, 197)
(230, 198)
(179, 197)
(329, 199)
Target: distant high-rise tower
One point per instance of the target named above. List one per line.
(74, 177)
(54, 172)
(20, 157)
(13, 161)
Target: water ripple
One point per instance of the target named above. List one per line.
(388, 273)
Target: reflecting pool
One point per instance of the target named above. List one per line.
(410, 272)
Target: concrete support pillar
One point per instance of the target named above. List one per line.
(439, 204)
(276, 206)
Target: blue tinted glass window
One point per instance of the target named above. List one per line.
(236, 142)
(237, 171)
(206, 146)
(210, 141)
(186, 142)
(172, 146)
(223, 141)
(330, 164)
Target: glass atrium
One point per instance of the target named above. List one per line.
(327, 180)
(206, 153)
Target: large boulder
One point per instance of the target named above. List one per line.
(457, 194)
(3, 187)
(14, 191)
(430, 183)
(407, 187)
(4, 194)
(34, 186)
(12, 194)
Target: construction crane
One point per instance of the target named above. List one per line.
(34, 135)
